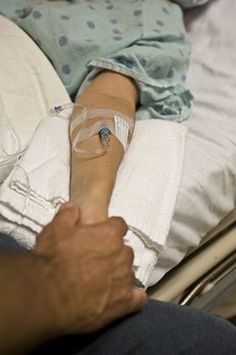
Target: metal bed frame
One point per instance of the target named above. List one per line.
(206, 278)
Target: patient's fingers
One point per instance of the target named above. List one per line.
(67, 216)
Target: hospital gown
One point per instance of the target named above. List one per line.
(142, 39)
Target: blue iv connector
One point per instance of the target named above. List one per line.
(104, 134)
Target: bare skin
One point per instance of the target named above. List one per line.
(78, 280)
(92, 180)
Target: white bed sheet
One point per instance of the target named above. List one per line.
(28, 87)
(208, 189)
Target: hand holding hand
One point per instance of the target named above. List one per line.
(90, 272)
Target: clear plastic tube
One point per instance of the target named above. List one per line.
(7, 158)
(111, 122)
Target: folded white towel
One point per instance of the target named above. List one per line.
(144, 195)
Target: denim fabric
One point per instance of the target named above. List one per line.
(143, 39)
(159, 329)
(9, 244)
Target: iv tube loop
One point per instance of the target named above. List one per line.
(112, 122)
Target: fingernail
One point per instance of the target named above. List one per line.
(65, 206)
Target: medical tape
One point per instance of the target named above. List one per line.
(119, 125)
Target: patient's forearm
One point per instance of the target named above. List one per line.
(92, 180)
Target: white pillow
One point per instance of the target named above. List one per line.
(191, 3)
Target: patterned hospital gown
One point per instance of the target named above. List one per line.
(143, 39)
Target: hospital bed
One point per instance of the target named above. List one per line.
(198, 264)
(205, 215)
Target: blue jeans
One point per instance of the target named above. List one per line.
(159, 329)
(9, 244)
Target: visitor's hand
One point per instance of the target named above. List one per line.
(90, 272)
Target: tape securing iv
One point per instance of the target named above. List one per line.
(112, 122)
